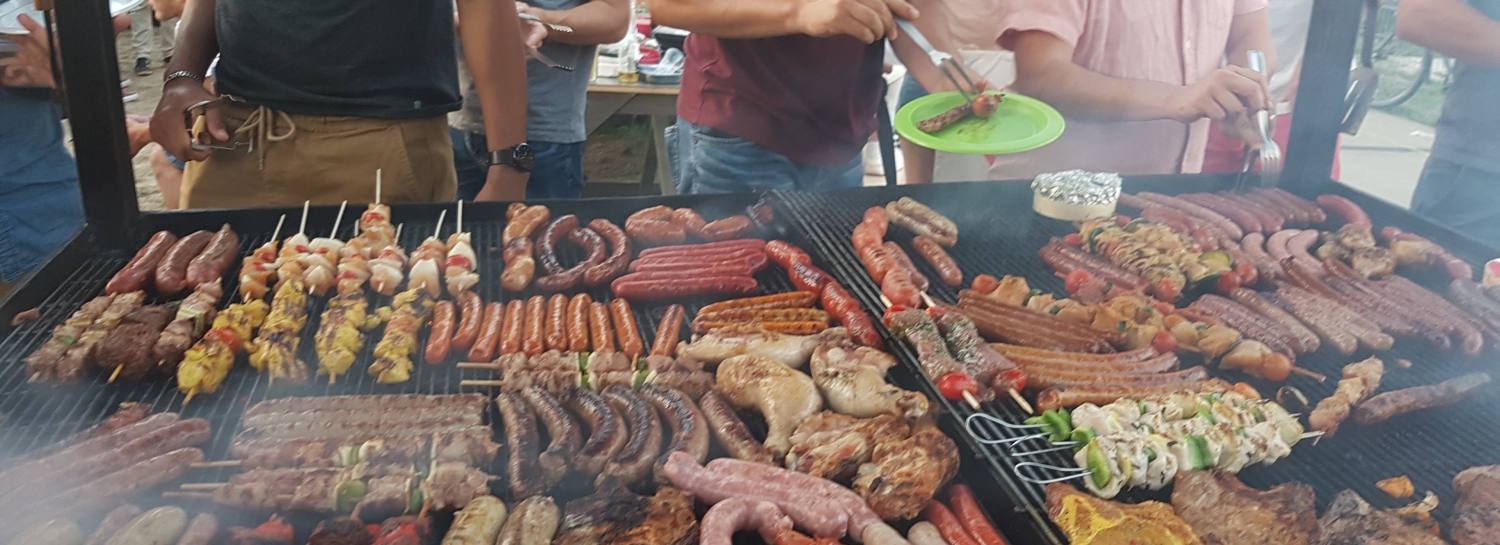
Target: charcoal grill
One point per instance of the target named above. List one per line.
(1000, 235)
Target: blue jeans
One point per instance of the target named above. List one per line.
(556, 174)
(1460, 197)
(910, 90)
(705, 160)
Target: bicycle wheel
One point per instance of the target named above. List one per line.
(1403, 66)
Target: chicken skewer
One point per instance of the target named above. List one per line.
(393, 354)
(459, 267)
(321, 273)
(386, 269)
(259, 267)
(424, 262)
(275, 350)
(288, 264)
(205, 365)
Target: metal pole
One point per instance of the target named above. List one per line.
(91, 80)
(1321, 93)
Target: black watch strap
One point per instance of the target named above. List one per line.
(518, 157)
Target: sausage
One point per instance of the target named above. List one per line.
(141, 267)
(727, 517)
(566, 438)
(533, 343)
(1385, 406)
(1276, 244)
(1254, 248)
(710, 249)
(1467, 295)
(520, 265)
(1043, 377)
(1457, 268)
(1304, 336)
(478, 523)
(602, 336)
(626, 329)
(550, 238)
(653, 290)
(1094, 265)
(904, 261)
(631, 464)
(689, 428)
(513, 331)
(1251, 324)
(1320, 316)
(1246, 220)
(1160, 364)
(1199, 212)
(918, 218)
(619, 257)
(1368, 322)
(440, 339)
(569, 278)
(215, 259)
(689, 220)
(110, 489)
(1298, 245)
(1315, 213)
(534, 522)
(1406, 322)
(668, 332)
(471, 315)
(947, 524)
(940, 261)
(785, 254)
(925, 533)
(843, 307)
(1018, 352)
(1289, 214)
(899, 287)
(878, 219)
(171, 272)
(557, 322)
(791, 299)
(756, 259)
(523, 446)
(1271, 216)
(1073, 396)
(811, 279)
(1032, 320)
(524, 223)
(489, 336)
(762, 315)
(200, 531)
(1440, 320)
(654, 227)
(876, 259)
(1178, 220)
(1346, 209)
(113, 523)
(785, 328)
(731, 431)
(578, 322)
(607, 432)
(660, 271)
(730, 228)
(160, 526)
(973, 519)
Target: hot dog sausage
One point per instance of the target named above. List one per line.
(440, 339)
(1346, 209)
(171, 272)
(936, 256)
(619, 257)
(471, 314)
(626, 328)
(730, 228)
(489, 336)
(602, 335)
(785, 254)
(652, 290)
(578, 322)
(533, 343)
(756, 259)
(141, 267)
(904, 261)
(809, 278)
(215, 259)
(681, 270)
(513, 331)
(668, 332)
(557, 322)
(710, 249)
(845, 309)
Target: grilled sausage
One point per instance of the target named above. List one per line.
(904, 261)
(793, 299)
(160, 526)
(557, 322)
(731, 431)
(603, 336)
(534, 522)
(810, 278)
(1384, 406)
(113, 523)
(471, 315)
(668, 332)
(533, 342)
(1346, 209)
(918, 218)
(521, 440)
(654, 227)
(566, 438)
(200, 531)
(578, 322)
(633, 461)
(215, 259)
(701, 250)
(842, 306)
(171, 272)
(1318, 317)
(478, 523)
(619, 257)
(513, 332)
(551, 236)
(1199, 212)
(440, 339)
(943, 263)
(626, 329)
(607, 433)
(690, 220)
(730, 228)
(1251, 324)
(689, 427)
(489, 336)
(1043, 377)
(1254, 301)
(141, 267)
(1073, 396)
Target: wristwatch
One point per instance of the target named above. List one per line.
(518, 157)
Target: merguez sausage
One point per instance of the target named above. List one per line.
(603, 335)
(512, 333)
(141, 267)
(1384, 406)
(944, 264)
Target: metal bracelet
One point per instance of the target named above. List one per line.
(181, 74)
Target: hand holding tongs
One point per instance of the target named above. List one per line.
(197, 117)
(534, 53)
(944, 62)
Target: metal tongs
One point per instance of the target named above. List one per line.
(535, 54)
(944, 62)
(198, 126)
(1269, 152)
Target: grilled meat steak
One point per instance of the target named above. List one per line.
(614, 514)
(1088, 520)
(1351, 521)
(1476, 515)
(1222, 510)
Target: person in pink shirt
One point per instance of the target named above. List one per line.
(1140, 82)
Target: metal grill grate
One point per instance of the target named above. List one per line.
(1000, 235)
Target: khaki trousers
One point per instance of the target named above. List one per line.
(282, 159)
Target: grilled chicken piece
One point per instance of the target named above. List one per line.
(833, 446)
(783, 395)
(1351, 521)
(852, 379)
(904, 475)
(1373, 262)
(1476, 516)
(725, 343)
(614, 514)
(1088, 520)
(1359, 381)
(1222, 510)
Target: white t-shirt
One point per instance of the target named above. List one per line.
(1290, 22)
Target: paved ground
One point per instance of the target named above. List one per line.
(1386, 157)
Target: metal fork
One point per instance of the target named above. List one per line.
(945, 62)
(1270, 152)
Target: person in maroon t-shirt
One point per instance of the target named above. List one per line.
(782, 93)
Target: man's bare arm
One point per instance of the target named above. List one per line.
(595, 22)
(868, 20)
(1251, 31)
(197, 43)
(492, 48)
(1450, 27)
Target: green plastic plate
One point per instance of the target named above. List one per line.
(1020, 123)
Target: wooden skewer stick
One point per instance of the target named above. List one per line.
(302, 229)
(214, 464)
(203, 486)
(478, 365)
(189, 397)
(1020, 401)
(426, 506)
(886, 301)
(441, 216)
(483, 383)
(278, 227)
(928, 300)
(1309, 374)
(969, 397)
(115, 374)
(187, 495)
(460, 226)
(377, 186)
(338, 219)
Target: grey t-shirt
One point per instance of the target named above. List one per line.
(1468, 133)
(555, 98)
